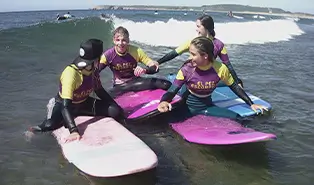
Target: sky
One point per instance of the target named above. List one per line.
(25, 5)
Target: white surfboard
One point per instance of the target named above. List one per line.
(106, 149)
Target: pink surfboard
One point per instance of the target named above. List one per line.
(106, 149)
(208, 130)
(140, 104)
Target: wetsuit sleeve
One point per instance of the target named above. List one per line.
(223, 73)
(183, 48)
(68, 83)
(174, 53)
(67, 115)
(175, 87)
(241, 93)
(99, 89)
(103, 62)
(169, 56)
(152, 70)
(233, 73)
(143, 57)
(223, 55)
(103, 95)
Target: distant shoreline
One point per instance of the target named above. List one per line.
(202, 9)
(291, 15)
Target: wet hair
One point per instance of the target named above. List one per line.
(208, 23)
(122, 31)
(204, 46)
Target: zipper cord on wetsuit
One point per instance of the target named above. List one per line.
(94, 104)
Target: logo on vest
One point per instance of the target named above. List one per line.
(82, 52)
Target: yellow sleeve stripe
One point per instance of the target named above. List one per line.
(143, 57)
(183, 48)
(224, 50)
(180, 75)
(223, 73)
(139, 55)
(103, 59)
(69, 82)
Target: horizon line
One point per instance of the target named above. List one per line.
(91, 8)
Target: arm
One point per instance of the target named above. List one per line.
(67, 115)
(241, 93)
(169, 56)
(170, 94)
(174, 53)
(68, 85)
(146, 60)
(152, 70)
(226, 76)
(102, 63)
(99, 89)
(223, 55)
(233, 73)
(175, 87)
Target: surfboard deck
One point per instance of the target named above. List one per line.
(208, 130)
(137, 105)
(106, 149)
(223, 96)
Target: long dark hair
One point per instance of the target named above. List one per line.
(208, 22)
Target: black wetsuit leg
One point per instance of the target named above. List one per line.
(90, 107)
(54, 118)
(96, 107)
(140, 84)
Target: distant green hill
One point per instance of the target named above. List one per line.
(241, 8)
(218, 7)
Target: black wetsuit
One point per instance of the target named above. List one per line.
(73, 100)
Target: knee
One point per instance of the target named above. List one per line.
(163, 84)
(115, 111)
(167, 84)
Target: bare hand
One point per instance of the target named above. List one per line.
(138, 71)
(72, 137)
(257, 107)
(164, 106)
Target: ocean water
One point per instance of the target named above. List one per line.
(273, 55)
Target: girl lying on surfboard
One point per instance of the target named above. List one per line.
(123, 59)
(205, 27)
(77, 82)
(201, 74)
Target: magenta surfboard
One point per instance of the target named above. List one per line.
(208, 130)
(141, 104)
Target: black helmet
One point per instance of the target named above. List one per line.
(90, 51)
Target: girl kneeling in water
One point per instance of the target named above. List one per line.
(77, 82)
(201, 74)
